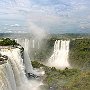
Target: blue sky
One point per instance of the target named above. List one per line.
(52, 16)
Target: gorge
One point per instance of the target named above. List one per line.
(19, 72)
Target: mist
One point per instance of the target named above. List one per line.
(37, 32)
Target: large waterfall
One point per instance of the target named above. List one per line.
(59, 58)
(7, 80)
(17, 67)
(27, 61)
(12, 73)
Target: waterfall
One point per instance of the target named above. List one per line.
(59, 58)
(7, 81)
(17, 66)
(12, 73)
(38, 45)
(33, 43)
(27, 61)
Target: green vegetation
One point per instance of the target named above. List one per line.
(68, 79)
(36, 64)
(7, 42)
(77, 78)
(79, 52)
(69, 35)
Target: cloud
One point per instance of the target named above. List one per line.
(50, 15)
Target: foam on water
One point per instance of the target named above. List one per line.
(60, 56)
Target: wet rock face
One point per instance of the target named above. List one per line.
(3, 59)
(21, 50)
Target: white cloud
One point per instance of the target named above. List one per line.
(47, 14)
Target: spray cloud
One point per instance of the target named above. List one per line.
(38, 32)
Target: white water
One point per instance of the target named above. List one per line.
(7, 81)
(27, 61)
(38, 45)
(60, 56)
(33, 43)
(12, 75)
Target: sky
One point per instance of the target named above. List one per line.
(51, 16)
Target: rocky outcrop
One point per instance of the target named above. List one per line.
(21, 50)
(3, 59)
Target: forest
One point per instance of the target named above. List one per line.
(7, 42)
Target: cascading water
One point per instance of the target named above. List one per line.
(33, 43)
(12, 73)
(59, 58)
(17, 67)
(27, 61)
(7, 81)
(38, 45)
